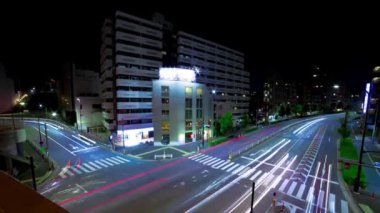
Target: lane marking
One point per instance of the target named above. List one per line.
(332, 203)
(89, 167)
(238, 169)
(228, 165)
(205, 159)
(217, 166)
(95, 165)
(300, 191)
(106, 162)
(292, 187)
(84, 169)
(344, 206)
(100, 163)
(320, 199)
(57, 143)
(213, 162)
(86, 149)
(233, 167)
(123, 159)
(262, 178)
(255, 175)
(283, 185)
(118, 160)
(209, 160)
(111, 160)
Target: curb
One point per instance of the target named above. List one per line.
(344, 187)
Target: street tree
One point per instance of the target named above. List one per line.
(226, 122)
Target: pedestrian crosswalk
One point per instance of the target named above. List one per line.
(91, 166)
(299, 190)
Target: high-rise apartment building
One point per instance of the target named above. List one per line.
(221, 69)
(131, 54)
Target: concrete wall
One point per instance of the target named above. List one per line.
(10, 139)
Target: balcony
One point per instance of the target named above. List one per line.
(133, 83)
(134, 105)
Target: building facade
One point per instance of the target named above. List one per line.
(131, 53)
(181, 108)
(7, 92)
(221, 69)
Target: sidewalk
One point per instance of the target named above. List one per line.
(369, 198)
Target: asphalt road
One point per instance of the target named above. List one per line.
(298, 164)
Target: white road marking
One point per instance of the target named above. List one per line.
(321, 196)
(255, 175)
(283, 185)
(195, 156)
(220, 164)
(238, 169)
(213, 161)
(100, 163)
(106, 162)
(95, 165)
(57, 143)
(86, 149)
(79, 186)
(332, 203)
(205, 159)
(228, 165)
(262, 178)
(292, 187)
(199, 158)
(244, 171)
(344, 206)
(69, 172)
(209, 160)
(118, 160)
(76, 170)
(111, 160)
(300, 191)
(123, 159)
(89, 167)
(233, 167)
(83, 169)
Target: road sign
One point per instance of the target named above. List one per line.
(377, 165)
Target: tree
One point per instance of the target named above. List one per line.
(226, 122)
(281, 112)
(297, 109)
(288, 110)
(217, 128)
(244, 121)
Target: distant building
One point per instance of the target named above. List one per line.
(278, 92)
(181, 108)
(79, 97)
(7, 91)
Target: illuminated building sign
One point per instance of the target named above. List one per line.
(177, 74)
(367, 90)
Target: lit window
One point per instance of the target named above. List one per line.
(199, 91)
(188, 91)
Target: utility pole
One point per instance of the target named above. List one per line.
(46, 138)
(39, 129)
(33, 174)
(357, 180)
(253, 196)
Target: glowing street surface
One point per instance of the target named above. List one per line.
(299, 164)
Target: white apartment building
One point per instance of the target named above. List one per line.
(131, 54)
(180, 107)
(221, 69)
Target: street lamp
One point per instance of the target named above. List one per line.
(365, 110)
(80, 114)
(336, 86)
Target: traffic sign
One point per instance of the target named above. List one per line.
(377, 165)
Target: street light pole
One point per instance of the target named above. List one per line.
(357, 180)
(80, 115)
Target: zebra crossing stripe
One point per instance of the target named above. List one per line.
(248, 173)
(195, 156)
(261, 178)
(209, 160)
(214, 161)
(219, 166)
(268, 179)
(199, 158)
(115, 159)
(76, 170)
(62, 173)
(215, 165)
(106, 162)
(283, 185)
(244, 170)
(89, 167)
(332, 203)
(292, 187)
(300, 191)
(100, 163)
(120, 161)
(95, 165)
(255, 175)
(111, 160)
(228, 165)
(238, 170)
(320, 199)
(233, 167)
(69, 172)
(83, 169)
(123, 159)
(205, 159)
(343, 206)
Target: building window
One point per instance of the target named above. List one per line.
(199, 113)
(164, 91)
(199, 91)
(199, 103)
(188, 125)
(188, 91)
(189, 114)
(189, 103)
(165, 112)
(165, 126)
(165, 100)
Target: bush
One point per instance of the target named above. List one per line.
(348, 151)
(217, 141)
(249, 130)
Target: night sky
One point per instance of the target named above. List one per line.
(284, 39)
